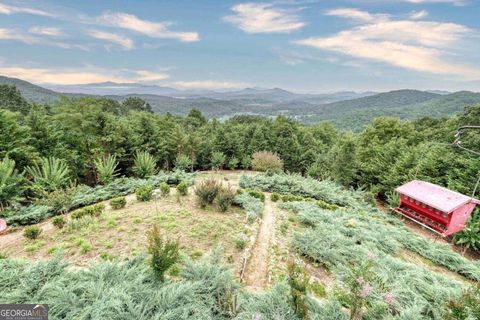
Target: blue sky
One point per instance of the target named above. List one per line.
(300, 45)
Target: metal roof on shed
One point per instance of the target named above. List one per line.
(434, 196)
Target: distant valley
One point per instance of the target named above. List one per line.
(347, 110)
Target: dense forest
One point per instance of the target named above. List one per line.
(79, 132)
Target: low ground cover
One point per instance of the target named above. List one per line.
(84, 195)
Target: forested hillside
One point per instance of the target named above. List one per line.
(30, 91)
(345, 110)
(403, 104)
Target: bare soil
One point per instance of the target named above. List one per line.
(256, 273)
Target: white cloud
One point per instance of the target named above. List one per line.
(53, 76)
(263, 18)
(122, 41)
(37, 39)
(454, 2)
(83, 75)
(148, 76)
(121, 20)
(209, 84)
(8, 9)
(416, 45)
(291, 59)
(16, 35)
(416, 15)
(94, 74)
(294, 58)
(148, 28)
(47, 31)
(355, 14)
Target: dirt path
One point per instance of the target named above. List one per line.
(256, 273)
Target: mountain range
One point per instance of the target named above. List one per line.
(347, 109)
(247, 94)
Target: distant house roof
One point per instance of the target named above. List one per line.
(434, 196)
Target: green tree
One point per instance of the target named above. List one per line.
(119, 139)
(192, 148)
(322, 167)
(164, 253)
(43, 137)
(325, 133)
(246, 162)
(15, 139)
(218, 160)
(12, 99)
(194, 119)
(259, 141)
(378, 147)
(233, 163)
(11, 183)
(299, 281)
(343, 160)
(79, 124)
(183, 162)
(136, 103)
(287, 145)
(146, 135)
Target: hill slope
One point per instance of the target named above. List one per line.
(211, 108)
(405, 104)
(31, 92)
(112, 88)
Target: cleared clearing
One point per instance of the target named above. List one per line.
(120, 234)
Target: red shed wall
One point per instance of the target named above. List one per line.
(442, 218)
(459, 218)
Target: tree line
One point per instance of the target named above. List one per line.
(387, 153)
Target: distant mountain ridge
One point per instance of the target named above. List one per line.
(247, 94)
(113, 88)
(404, 104)
(347, 109)
(31, 91)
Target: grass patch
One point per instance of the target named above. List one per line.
(85, 248)
(34, 246)
(318, 289)
(241, 242)
(57, 248)
(104, 255)
(137, 220)
(111, 222)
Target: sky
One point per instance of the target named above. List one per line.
(298, 45)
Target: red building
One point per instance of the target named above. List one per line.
(436, 208)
